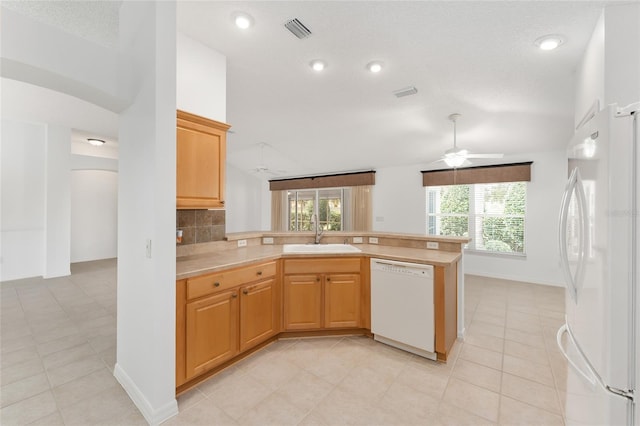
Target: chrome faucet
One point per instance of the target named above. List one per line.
(318, 230)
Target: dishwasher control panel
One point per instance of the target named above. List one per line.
(403, 268)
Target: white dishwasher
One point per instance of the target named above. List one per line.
(402, 310)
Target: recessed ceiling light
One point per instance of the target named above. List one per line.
(549, 42)
(95, 142)
(374, 66)
(242, 20)
(318, 65)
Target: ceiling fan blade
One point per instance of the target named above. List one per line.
(440, 160)
(484, 155)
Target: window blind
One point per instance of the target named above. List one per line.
(326, 181)
(514, 172)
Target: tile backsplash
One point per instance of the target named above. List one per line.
(200, 226)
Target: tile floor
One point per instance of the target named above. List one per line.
(58, 352)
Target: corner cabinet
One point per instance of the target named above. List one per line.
(222, 314)
(201, 155)
(342, 301)
(258, 315)
(302, 302)
(323, 294)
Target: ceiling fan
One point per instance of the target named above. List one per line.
(457, 157)
(262, 168)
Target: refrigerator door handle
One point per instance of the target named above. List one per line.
(574, 185)
(561, 331)
(591, 375)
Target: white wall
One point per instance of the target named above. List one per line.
(57, 239)
(22, 204)
(265, 214)
(94, 215)
(399, 200)
(399, 205)
(42, 247)
(244, 201)
(590, 74)
(201, 78)
(610, 67)
(94, 202)
(145, 364)
(35, 218)
(622, 54)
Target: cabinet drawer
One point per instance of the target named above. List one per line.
(253, 273)
(206, 284)
(211, 283)
(321, 266)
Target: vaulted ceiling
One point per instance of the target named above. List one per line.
(476, 58)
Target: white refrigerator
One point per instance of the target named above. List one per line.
(598, 235)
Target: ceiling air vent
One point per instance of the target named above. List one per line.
(405, 92)
(297, 28)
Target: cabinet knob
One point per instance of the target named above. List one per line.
(259, 272)
(234, 295)
(245, 291)
(317, 278)
(216, 284)
(328, 279)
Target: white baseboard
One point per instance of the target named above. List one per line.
(518, 278)
(153, 416)
(461, 333)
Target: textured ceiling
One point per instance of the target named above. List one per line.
(475, 58)
(96, 21)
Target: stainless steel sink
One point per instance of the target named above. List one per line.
(319, 248)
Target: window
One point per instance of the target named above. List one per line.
(492, 214)
(326, 203)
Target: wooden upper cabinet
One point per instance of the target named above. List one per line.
(201, 155)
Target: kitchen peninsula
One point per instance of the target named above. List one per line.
(234, 297)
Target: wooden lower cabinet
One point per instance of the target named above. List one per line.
(302, 302)
(227, 314)
(258, 313)
(221, 314)
(211, 332)
(322, 301)
(342, 300)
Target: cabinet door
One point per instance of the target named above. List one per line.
(302, 302)
(212, 332)
(342, 300)
(201, 156)
(257, 313)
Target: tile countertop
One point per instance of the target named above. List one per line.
(216, 260)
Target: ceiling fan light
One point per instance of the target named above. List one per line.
(454, 152)
(454, 160)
